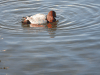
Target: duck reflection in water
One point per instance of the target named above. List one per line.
(41, 20)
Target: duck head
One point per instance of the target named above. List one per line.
(51, 16)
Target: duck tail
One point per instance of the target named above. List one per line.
(25, 21)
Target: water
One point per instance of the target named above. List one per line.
(71, 48)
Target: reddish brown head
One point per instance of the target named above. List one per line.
(51, 16)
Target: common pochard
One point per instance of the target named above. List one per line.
(40, 18)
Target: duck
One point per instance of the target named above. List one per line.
(40, 18)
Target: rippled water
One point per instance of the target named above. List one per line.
(71, 48)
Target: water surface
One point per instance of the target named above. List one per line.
(71, 48)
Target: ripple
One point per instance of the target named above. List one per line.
(13, 11)
(80, 16)
(75, 16)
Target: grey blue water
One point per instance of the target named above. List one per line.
(70, 48)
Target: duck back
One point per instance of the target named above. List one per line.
(37, 19)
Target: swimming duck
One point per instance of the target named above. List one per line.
(40, 18)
